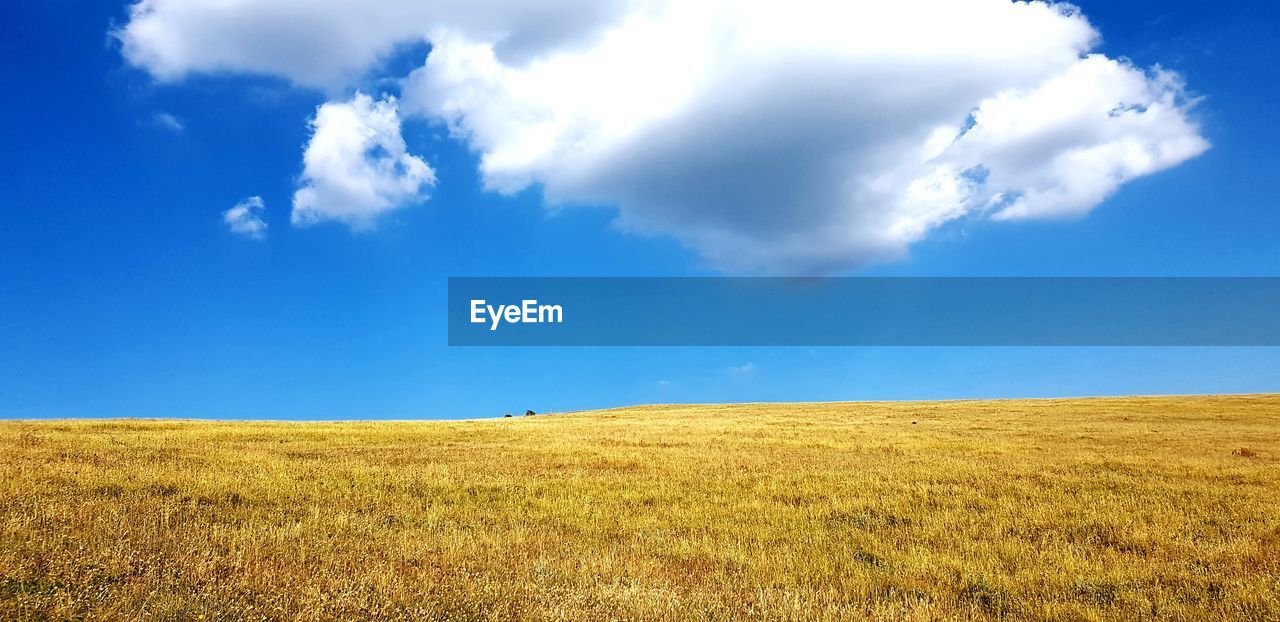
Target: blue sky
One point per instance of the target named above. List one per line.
(123, 293)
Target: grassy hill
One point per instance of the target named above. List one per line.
(1132, 508)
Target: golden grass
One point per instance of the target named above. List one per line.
(1133, 508)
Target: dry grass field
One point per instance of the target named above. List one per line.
(1098, 509)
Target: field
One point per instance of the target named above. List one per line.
(1097, 509)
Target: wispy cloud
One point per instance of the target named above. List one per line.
(246, 219)
(169, 122)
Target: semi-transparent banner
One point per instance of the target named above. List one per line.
(748, 311)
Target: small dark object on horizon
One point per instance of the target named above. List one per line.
(529, 413)
(507, 415)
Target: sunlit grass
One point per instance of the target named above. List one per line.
(1136, 508)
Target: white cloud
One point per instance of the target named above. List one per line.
(800, 137)
(819, 137)
(356, 165)
(246, 218)
(745, 369)
(168, 122)
(328, 43)
(1063, 147)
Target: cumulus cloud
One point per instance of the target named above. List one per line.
(1063, 147)
(814, 137)
(327, 43)
(356, 165)
(246, 218)
(799, 137)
